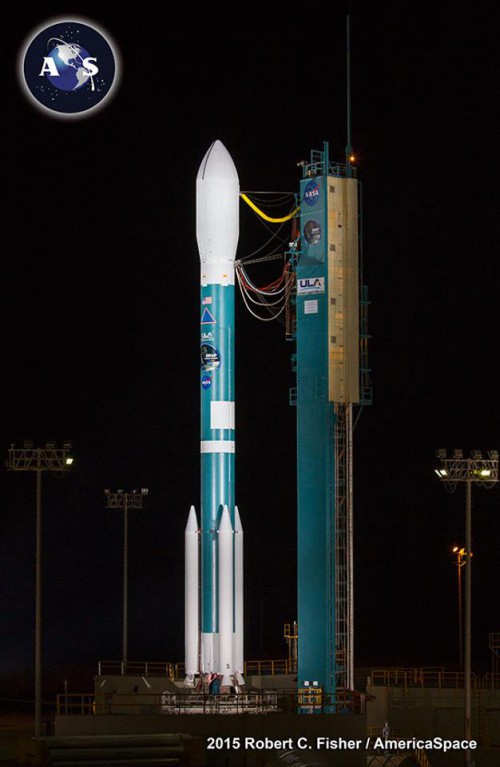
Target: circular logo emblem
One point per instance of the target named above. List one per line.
(311, 193)
(210, 358)
(312, 232)
(69, 69)
(206, 382)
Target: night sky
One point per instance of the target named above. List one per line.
(99, 327)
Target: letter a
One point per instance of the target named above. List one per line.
(49, 66)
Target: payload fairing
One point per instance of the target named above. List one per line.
(214, 553)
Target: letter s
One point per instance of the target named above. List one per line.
(91, 68)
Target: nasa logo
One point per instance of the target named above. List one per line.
(68, 69)
(206, 382)
(311, 193)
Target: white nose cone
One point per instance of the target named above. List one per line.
(217, 206)
(192, 523)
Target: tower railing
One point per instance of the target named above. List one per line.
(436, 677)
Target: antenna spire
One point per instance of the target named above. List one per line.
(348, 149)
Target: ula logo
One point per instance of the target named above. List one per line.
(68, 68)
(310, 285)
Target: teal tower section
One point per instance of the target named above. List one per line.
(315, 459)
(332, 378)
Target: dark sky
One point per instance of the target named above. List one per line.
(99, 330)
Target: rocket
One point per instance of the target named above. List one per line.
(214, 549)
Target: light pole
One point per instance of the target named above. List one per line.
(483, 472)
(120, 499)
(39, 459)
(460, 560)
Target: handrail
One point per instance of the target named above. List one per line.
(420, 677)
(429, 676)
(81, 704)
(87, 704)
(140, 668)
(176, 671)
(106, 703)
(266, 667)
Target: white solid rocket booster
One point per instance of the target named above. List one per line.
(225, 556)
(191, 597)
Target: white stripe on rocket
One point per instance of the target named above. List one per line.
(217, 446)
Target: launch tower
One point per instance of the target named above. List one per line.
(332, 378)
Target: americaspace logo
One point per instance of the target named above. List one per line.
(69, 68)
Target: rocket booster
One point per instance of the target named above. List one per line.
(220, 616)
(191, 596)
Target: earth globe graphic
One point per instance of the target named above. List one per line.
(68, 59)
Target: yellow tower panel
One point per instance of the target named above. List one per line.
(343, 290)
